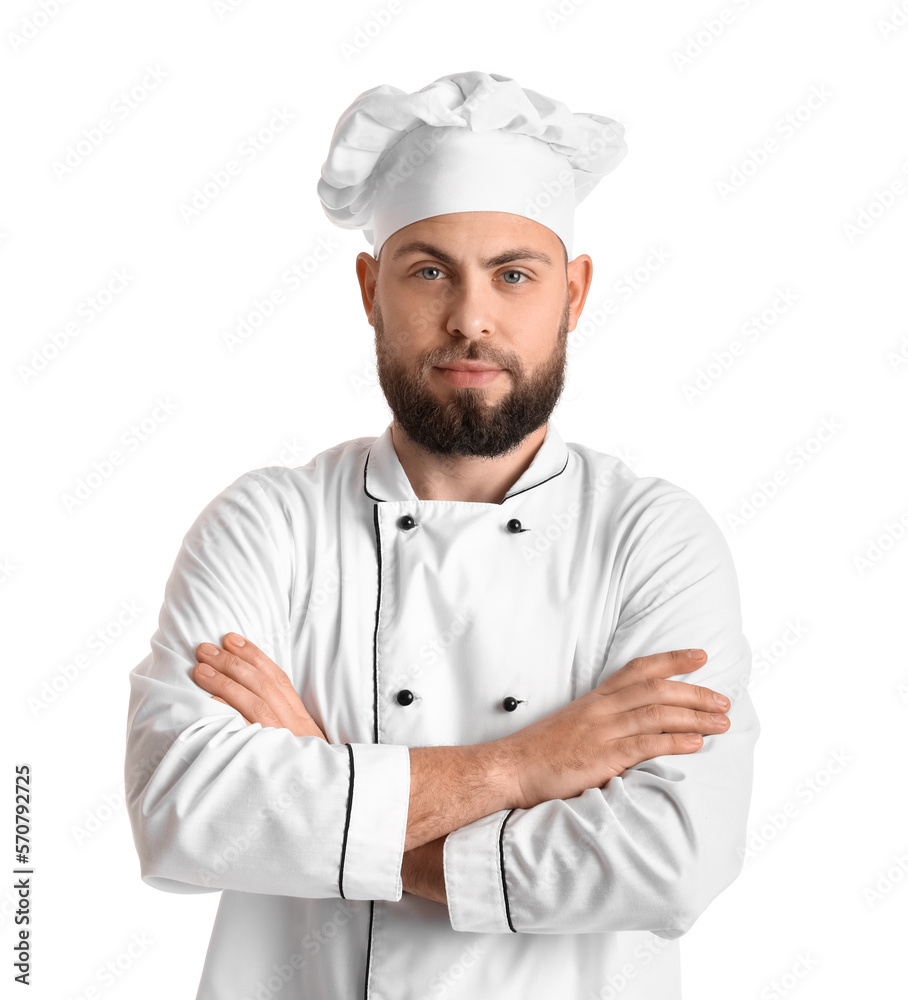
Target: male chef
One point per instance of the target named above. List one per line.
(423, 710)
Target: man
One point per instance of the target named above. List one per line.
(422, 709)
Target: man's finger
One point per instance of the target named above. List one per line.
(642, 668)
(266, 685)
(254, 685)
(251, 653)
(251, 706)
(283, 685)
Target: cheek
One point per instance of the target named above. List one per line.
(403, 341)
(424, 315)
(534, 330)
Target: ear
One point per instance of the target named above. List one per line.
(367, 275)
(580, 277)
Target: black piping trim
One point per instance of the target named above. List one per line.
(340, 881)
(369, 950)
(375, 630)
(365, 470)
(504, 884)
(374, 701)
(554, 475)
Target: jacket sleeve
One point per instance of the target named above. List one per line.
(656, 844)
(215, 803)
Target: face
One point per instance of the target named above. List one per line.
(489, 288)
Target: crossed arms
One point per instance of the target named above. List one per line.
(634, 715)
(602, 819)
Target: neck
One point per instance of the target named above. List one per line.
(464, 477)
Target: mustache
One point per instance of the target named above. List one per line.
(440, 356)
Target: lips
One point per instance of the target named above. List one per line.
(470, 366)
(468, 378)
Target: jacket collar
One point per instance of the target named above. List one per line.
(384, 477)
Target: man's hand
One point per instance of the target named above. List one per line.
(634, 715)
(240, 675)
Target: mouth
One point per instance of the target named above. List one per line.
(464, 374)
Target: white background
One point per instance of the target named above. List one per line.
(821, 558)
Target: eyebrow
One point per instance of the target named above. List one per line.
(505, 257)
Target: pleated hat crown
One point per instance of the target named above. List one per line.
(466, 142)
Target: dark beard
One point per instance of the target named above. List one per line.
(467, 425)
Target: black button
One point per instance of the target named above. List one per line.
(514, 526)
(406, 523)
(509, 704)
(404, 697)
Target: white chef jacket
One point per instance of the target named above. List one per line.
(360, 590)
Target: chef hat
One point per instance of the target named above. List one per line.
(468, 142)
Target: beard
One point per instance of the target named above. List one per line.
(467, 424)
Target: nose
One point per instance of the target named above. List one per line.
(470, 308)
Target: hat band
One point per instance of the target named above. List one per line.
(436, 170)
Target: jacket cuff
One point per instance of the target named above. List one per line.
(378, 801)
(475, 870)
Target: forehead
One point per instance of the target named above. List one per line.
(469, 235)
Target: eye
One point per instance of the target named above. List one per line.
(430, 267)
(520, 273)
